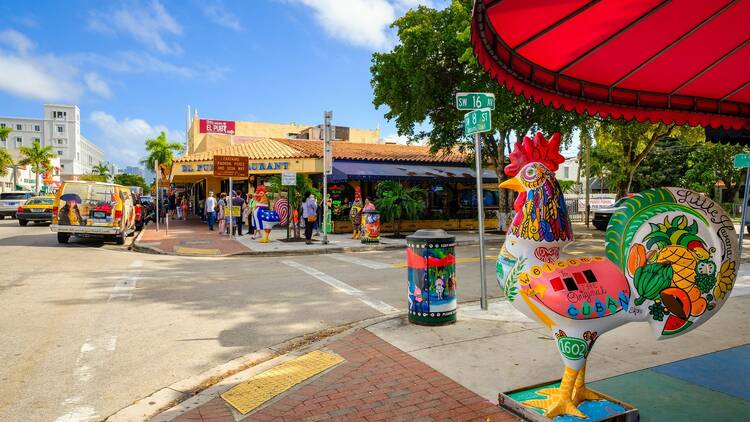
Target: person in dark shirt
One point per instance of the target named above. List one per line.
(238, 202)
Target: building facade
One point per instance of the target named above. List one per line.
(208, 135)
(60, 128)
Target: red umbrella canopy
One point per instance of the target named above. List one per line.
(681, 61)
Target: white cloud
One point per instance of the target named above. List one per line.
(217, 13)
(141, 62)
(148, 24)
(16, 41)
(97, 85)
(363, 23)
(45, 78)
(124, 140)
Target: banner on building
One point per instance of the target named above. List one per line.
(217, 126)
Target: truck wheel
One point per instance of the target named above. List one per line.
(600, 226)
(748, 229)
(120, 238)
(63, 237)
(23, 222)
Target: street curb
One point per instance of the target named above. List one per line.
(184, 395)
(344, 249)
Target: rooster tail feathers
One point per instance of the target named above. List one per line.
(678, 251)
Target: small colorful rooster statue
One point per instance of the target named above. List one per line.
(671, 260)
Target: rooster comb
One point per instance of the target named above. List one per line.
(539, 150)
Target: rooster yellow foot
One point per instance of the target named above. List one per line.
(556, 406)
(583, 394)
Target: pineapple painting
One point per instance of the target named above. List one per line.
(675, 269)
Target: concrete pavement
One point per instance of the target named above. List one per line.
(81, 318)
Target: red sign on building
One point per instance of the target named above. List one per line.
(217, 126)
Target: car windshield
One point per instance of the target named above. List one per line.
(11, 195)
(40, 201)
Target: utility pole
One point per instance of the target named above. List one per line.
(480, 216)
(588, 173)
(327, 169)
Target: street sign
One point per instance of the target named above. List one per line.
(741, 161)
(475, 100)
(477, 121)
(229, 166)
(288, 178)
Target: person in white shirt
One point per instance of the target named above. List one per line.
(211, 210)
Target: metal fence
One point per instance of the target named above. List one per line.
(575, 212)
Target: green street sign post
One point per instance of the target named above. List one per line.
(475, 100)
(476, 121)
(743, 161)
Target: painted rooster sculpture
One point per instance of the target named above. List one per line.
(671, 259)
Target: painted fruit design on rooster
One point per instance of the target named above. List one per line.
(671, 260)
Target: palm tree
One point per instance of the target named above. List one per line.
(4, 133)
(102, 170)
(160, 150)
(395, 202)
(38, 157)
(5, 161)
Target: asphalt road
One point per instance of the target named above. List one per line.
(89, 328)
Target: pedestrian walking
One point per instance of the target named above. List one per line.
(238, 202)
(222, 211)
(185, 207)
(318, 217)
(249, 207)
(172, 201)
(310, 215)
(211, 210)
(202, 209)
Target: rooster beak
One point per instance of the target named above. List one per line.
(513, 184)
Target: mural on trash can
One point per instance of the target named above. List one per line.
(672, 261)
(432, 283)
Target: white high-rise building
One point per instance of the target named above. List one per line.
(60, 128)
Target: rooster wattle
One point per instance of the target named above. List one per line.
(664, 247)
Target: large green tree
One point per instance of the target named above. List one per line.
(396, 202)
(38, 158)
(132, 180)
(6, 161)
(417, 81)
(160, 150)
(710, 163)
(621, 147)
(4, 133)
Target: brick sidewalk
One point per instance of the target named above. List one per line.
(377, 382)
(190, 237)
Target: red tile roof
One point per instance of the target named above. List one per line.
(294, 148)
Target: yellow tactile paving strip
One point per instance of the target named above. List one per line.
(195, 251)
(260, 388)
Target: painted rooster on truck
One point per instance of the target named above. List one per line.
(671, 259)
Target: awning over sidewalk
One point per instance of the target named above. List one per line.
(361, 170)
(681, 61)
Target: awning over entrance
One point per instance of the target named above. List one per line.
(681, 61)
(359, 170)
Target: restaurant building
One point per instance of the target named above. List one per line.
(449, 181)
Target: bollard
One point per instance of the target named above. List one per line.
(431, 260)
(370, 226)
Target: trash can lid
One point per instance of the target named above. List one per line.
(430, 235)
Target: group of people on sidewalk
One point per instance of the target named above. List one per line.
(217, 213)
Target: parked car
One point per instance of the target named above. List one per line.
(10, 201)
(37, 209)
(93, 209)
(603, 215)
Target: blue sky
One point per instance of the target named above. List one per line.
(133, 66)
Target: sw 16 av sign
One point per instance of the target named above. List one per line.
(217, 126)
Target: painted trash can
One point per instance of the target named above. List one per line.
(431, 262)
(370, 226)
